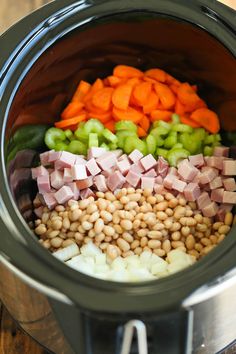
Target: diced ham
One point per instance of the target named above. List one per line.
(93, 167)
(159, 188)
(210, 210)
(118, 153)
(216, 183)
(67, 175)
(86, 193)
(135, 156)
(57, 180)
(123, 157)
(217, 195)
(85, 183)
(39, 212)
(126, 185)
(44, 158)
(168, 181)
(80, 160)
(147, 182)
(187, 171)
(133, 178)
(115, 181)
(215, 161)
(151, 173)
(123, 166)
(162, 167)
(221, 151)
(178, 185)
(220, 215)
(229, 184)
(192, 192)
(229, 167)
(137, 167)
(226, 207)
(79, 172)
(173, 171)
(203, 200)
(229, 197)
(66, 159)
(106, 161)
(197, 160)
(208, 174)
(100, 183)
(108, 172)
(43, 183)
(53, 156)
(148, 162)
(197, 178)
(95, 152)
(63, 195)
(159, 180)
(49, 200)
(75, 190)
(39, 171)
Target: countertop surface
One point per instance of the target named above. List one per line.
(12, 339)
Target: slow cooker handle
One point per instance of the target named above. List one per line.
(129, 329)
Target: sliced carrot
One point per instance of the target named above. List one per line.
(102, 98)
(144, 123)
(106, 82)
(156, 74)
(165, 95)
(82, 90)
(127, 71)
(170, 80)
(160, 106)
(198, 104)
(179, 108)
(161, 115)
(141, 132)
(187, 95)
(121, 96)
(72, 121)
(72, 109)
(141, 92)
(103, 117)
(190, 122)
(130, 114)
(207, 119)
(174, 89)
(149, 79)
(89, 106)
(114, 80)
(133, 82)
(151, 104)
(97, 85)
(110, 125)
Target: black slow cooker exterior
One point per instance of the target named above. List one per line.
(90, 312)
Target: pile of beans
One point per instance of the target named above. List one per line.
(130, 222)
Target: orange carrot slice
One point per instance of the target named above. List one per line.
(141, 132)
(142, 92)
(170, 80)
(207, 119)
(110, 125)
(121, 96)
(82, 90)
(72, 109)
(161, 115)
(156, 74)
(179, 108)
(130, 114)
(127, 72)
(192, 107)
(102, 98)
(165, 95)
(72, 121)
(151, 104)
(190, 122)
(103, 117)
(144, 123)
(187, 95)
(133, 82)
(114, 80)
(97, 85)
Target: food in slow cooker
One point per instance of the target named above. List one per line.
(136, 184)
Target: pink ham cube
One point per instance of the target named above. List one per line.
(159, 188)
(186, 170)
(44, 158)
(203, 200)
(92, 167)
(133, 178)
(217, 195)
(123, 157)
(158, 180)
(148, 162)
(168, 181)
(208, 174)
(197, 160)
(49, 200)
(192, 192)
(39, 171)
(115, 181)
(173, 171)
(123, 166)
(147, 182)
(43, 183)
(229, 168)
(178, 185)
(75, 190)
(79, 172)
(135, 156)
(162, 167)
(63, 195)
(106, 161)
(100, 183)
(151, 173)
(67, 159)
(54, 156)
(84, 183)
(108, 172)
(221, 151)
(210, 210)
(80, 160)
(95, 152)
(229, 197)
(216, 183)
(57, 180)
(86, 193)
(229, 184)
(67, 176)
(137, 167)
(215, 161)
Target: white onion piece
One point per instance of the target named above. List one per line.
(67, 252)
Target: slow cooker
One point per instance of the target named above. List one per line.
(42, 59)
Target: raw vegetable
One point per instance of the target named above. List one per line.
(54, 136)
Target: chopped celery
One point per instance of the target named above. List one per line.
(151, 144)
(178, 146)
(200, 133)
(77, 147)
(175, 134)
(208, 151)
(132, 143)
(69, 134)
(112, 146)
(93, 140)
(122, 135)
(162, 152)
(105, 146)
(110, 136)
(175, 118)
(93, 126)
(190, 143)
(126, 125)
(159, 141)
(163, 124)
(176, 155)
(209, 140)
(182, 128)
(61, 146)
(81, 135)
(159, 131)
(217, 137)
(54, 136)
(170, 141)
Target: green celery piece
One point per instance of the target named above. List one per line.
(61, 146)
(209, 140)
(159, 131)
(170, 141)
(162, 152)
(81, 135)
(69, 134)
(93, 140)
(93, 126)
(190, 143)
(77, 147)
(208, 151)
(178, 146)
(175, 155)
(175, 134)
(105, 146)
(122, 135)
(182, 128)
(151, 144)
(200, 133)
(217, 137)
(126, 125)
(108, 135)
(175, 118)
(163, 124)
(132, 143)
(112, 146)
(53, 137)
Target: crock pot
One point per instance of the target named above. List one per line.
(42, 59)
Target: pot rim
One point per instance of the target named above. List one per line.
(25, 252)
